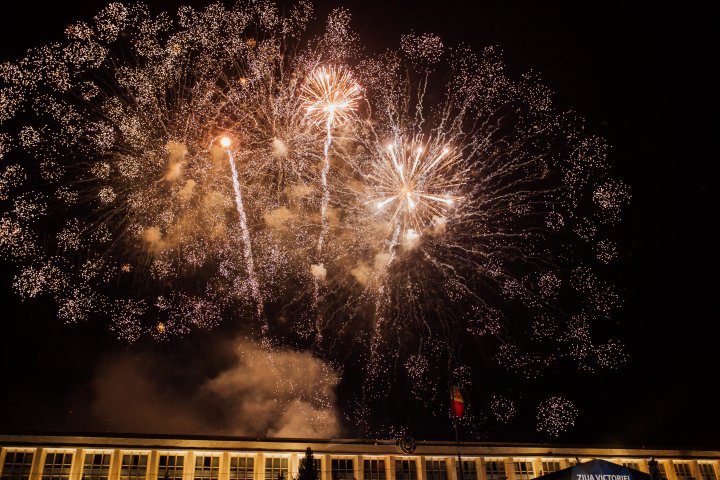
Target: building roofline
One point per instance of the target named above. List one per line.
(343, 446)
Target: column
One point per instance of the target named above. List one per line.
(189, 466)
(537, 467)
(452, 468)
(77, 463)
(293, 465)
(420, 465)
(115, 464)
(224, 466)
(391, 467)
(357, 473)
(509, 468)
(152, 465)
(260, 470)
(482, 474)
(37, 463)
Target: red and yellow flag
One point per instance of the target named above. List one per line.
(457, 405)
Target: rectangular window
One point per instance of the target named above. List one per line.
(682, 471)
(276, 467)
(633, 465)
(242, 468)
(661, 470)
(342, 469)
(523, 471)
(96, 466)
(317, 462)
(170, 467)
(549, 467)
(57, 466)
(134, 466)
(374, 469)
(207, 467)
(17, 466)
(469, 470)
(707, 471)
(436, 469)
(405, 470)
(495, 470)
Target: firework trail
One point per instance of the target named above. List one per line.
(329, 96)
(247, 245)
(452, 211)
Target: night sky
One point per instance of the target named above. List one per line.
(636, 73)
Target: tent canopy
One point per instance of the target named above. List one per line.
(596, 470)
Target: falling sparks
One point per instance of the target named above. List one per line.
(170, 174)
(556, 415)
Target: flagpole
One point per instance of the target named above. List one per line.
(457, 444)
(461, 469)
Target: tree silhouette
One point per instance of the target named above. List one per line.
(307, 470)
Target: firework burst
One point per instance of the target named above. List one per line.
(461, 211)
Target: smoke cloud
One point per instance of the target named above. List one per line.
(257, 393)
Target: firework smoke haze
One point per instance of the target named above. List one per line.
(180, 179)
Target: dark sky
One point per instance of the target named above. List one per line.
(638, 74)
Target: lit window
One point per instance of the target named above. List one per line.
(523, 471)
(469, 470)
(405, 470)
(207, 467)
(276, 467)
(374, 469)
(170, 467)
(342, 469)
(495, 470)
(682, 471)
(436, 469)
(549, 467)
(707, 471)
(57, 466)
(134, 466)
(633, 465)
(17, 466)
(242, 468)
(96, 466)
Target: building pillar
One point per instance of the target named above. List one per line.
(224, 473)
(452, 468)
(324, 466)
(115, 464)
(260, 470)
(482, 474)
(509, 468)
(189, 466)
(537, 467)
(77, 464)
(391, 467)
(420, 466)
(37, 463)
(643, 465)
(152, 465)
(293, 466)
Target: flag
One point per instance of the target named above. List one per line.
(457, 405)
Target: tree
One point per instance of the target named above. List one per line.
(307, 470)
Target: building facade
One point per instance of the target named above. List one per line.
(54, 457)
